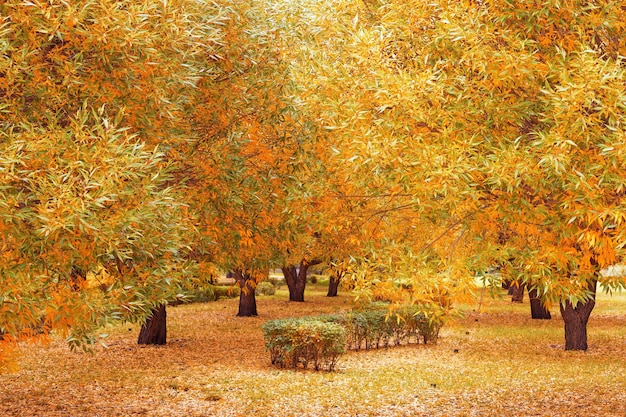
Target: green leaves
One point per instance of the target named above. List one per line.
(97, 102)
(305, 341)
(78, 201)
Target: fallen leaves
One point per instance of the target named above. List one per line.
(215, 364)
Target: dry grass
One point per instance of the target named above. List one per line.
(497, 362)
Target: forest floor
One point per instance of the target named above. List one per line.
(496, 362)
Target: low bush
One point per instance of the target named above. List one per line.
(226, 291)
(321, 340)
(323, 280)
(209, 292)
(376, 325)
(368, 329)
(275, 281)
(265, 288)
(202, 294)
(305, 341)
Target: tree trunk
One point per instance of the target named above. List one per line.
(296, 279)
(518, 292)
(576, 318)
(290, 272)
(333, 283)
(154, 330)
(506, 284)
(247, 297)
(538, 310)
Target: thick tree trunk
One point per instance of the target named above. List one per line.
(333, 283)
(506, 284)
(295, 286)
(154, 330)
(576, 318)
(296, 279)
(247, 297)
(538, 310)
(518, 292)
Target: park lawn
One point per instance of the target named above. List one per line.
(493, 362)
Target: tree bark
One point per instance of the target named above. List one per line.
(333, 283)
(576, 318)
(290, 273)
(518, 292)
(154, 330)
(506, 285)
(538, 310)
(247, 296)
(296, 279)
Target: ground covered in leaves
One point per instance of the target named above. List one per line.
(496, 361)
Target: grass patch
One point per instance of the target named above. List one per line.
(495, 361)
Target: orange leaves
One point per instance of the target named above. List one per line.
(71, 207)
(85, 83)
(8, 356)
(246, 238)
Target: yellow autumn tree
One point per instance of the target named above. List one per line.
(256, 167)
(501, 120)
(95, 101)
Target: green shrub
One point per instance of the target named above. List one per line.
(368, 329)
(321, 340)
(318, 278)
(226, 291)
(208, 292)
(417, 324)
(202, 294)
(265, 288)
(304, 341)
(375, 325)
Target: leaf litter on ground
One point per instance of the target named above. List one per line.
(496, 362)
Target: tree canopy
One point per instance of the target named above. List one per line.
(95, 97)
(495, 127)
(414, 143)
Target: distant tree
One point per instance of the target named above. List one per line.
(538, 309)
(336, 275)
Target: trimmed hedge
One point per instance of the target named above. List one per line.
(373, 326)
(380, 327)
(304, 341)
(210, 292)
(202, 294)
(321, 340)
(265, 288)
(226, 291)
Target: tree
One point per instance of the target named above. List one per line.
(538, 309)
(154, 329)
(86, 198)
(240, 162)
(336, 275)
(95, 101)
(487, 115)
(256, 167)
(296, 277)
